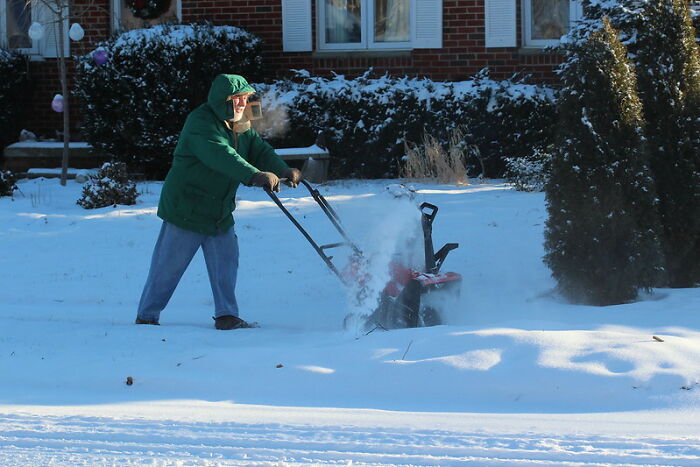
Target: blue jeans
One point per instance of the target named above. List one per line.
(172, 254)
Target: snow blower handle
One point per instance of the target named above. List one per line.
(433, 211)
(320, 249)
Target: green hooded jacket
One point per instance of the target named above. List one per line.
(210, 161)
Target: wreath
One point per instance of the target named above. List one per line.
(148, 9)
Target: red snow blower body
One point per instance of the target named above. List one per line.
(411, 297)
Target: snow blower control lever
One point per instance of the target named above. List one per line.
(399, 304)
(433, 261)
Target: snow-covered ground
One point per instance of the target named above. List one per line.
(517, 376)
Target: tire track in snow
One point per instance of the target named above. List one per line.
(77, 441)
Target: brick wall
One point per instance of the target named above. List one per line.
(463, 53)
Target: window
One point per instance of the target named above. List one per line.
(365, 24)
(358, 25)
(545, 21)
(16, 16)
(19, 18)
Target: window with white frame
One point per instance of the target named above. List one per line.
(17, 16)
(545, 21)
(377, 24)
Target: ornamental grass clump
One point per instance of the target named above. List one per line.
(109, 187)
(430, 161)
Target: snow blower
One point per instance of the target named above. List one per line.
(411, 297)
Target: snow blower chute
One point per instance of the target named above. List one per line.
(402, 302)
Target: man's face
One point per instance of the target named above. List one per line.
(238, 101)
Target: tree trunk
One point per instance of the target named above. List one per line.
(64, 92)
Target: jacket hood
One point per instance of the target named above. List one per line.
(222, 87)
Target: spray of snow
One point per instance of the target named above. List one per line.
(396, 236)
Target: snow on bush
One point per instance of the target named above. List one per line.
(135, 104)
(662, 45)
(13, 89)
(368, 120)
(601, 236)
(109, 187)
(7, 183)
(529, 173)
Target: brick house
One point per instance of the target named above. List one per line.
(439, 39)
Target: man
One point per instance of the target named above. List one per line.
(217, 151)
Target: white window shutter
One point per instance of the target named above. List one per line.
(427, 24)
(47, 45)
(500, 23)
(296, 25)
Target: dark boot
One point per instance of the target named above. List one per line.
(230, 322)
(146, 321)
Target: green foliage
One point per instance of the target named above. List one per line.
(663, 46)
(8, 183)
(668, 64)
(109, 187)
(600, 237)
(531, 172)
(13, 90)
(135, 105)
(367, 121)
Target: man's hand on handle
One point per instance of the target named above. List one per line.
(292, 176)
(267, 180)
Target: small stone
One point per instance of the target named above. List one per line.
(279, 365)
(129, 380)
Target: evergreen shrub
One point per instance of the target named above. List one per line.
(135, 104)
(368, 120)
(109, 187)
(531, 172)
(663, 46)
(601, 238)
(8, 183)
(13, 92)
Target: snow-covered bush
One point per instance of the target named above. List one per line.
(601, 239)
(109, 187)
(13, 90)
(135, 103)
(662, 44)
(531, 172)
(8, 183)
(668, 68)
(368, 120)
